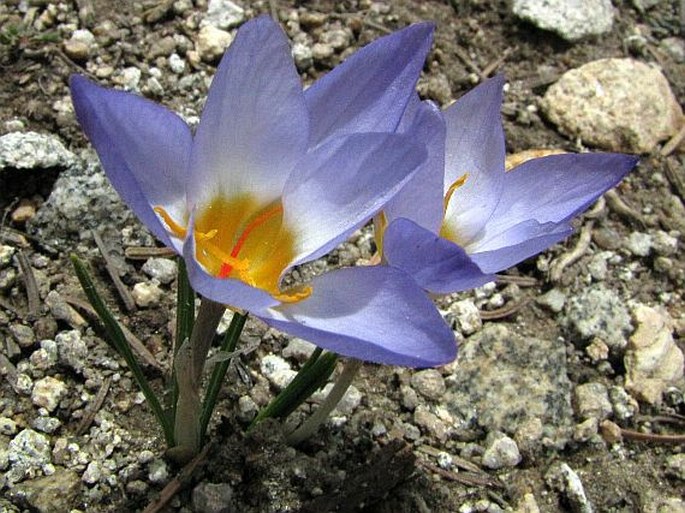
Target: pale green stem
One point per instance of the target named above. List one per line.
(188, 366)
(309, 427)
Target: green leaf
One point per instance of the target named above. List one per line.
(117, 340)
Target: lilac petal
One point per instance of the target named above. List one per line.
(254, 126)
(144, 149)
(474, 147)
(516, 244)
(421, 200)
(342, 184)
(369, 91)
(436, 264)
(377, 314)
(229, 292)
(557, 187)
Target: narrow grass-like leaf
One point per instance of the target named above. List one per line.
(117, 341)
(185, 318)
(228, 345)
(313, 375)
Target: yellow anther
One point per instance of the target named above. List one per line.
(201, 237)
(457, 183)
(176, 229)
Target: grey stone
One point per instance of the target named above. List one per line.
(298, 349)
(562, 478)
(598, 267)
(430, 422)
(247, 408)
(586, 430)
(72, 350)
(303, 56)
(223, 14)
(55, 493)
(213, 498)
(176, 64)
(664, 244)
(30, 150)
(591, 400)
(7, 426)
(162, 269)
(47, 392)
(45, 357)
(623, 405)
(158, 471)
(571, 19)
(29, 453)
(322, 51)
(93, 473)
(129, 78)
(429, 383)
(23, 335)
(639, 244)
(338, 39)
(653, 361)
(46, 424)
(465, 316)
(675, 47)
(553, 299)
(147, 294)
(277, 371)
(503, 380)
(6, 254)
(80, 45)
(500, 451)
(62, 311)
(616, 104)
(598, 312)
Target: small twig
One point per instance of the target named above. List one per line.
(673, 142)
(94, 407)
(629, 434)
(273, 10)
(29, 283)
(487, 70)
(521, 281)
(557, 267)
(505, 311)
(178, 483)
(464, 56)
(113, 272)
(135, 342)
(619, 206)
(143, 253)
(465, 478)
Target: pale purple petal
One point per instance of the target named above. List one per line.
(377, 314)
(475, 148)
(229, 292)
(519, 242)
(254, 127)
(342, 184)
(421, 200)
(144, 149)
(369, 91)
(436, 264)
(556, 188)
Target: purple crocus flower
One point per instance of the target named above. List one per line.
(487, 219)
(273, 178)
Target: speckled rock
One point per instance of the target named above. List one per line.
(615, 104)
(502, 380)
(30, 150)
(72, 350)
(223, 14)
(298, 349)
(598, 312)
(213, 498)
(80, 45)
(29, 455)
(571, 19)
(429, 383)
(675, 466)
(162, 269)
(47, 392)
(277, 370)
(653, 361)
(465, 316)
(147, 294)
(553, 299)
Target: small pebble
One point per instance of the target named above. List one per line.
(500, 451)
(47, 392)
(429, 383)
(147, 294)
(162, 269)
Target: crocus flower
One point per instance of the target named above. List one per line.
(488, 219)
(273, 178)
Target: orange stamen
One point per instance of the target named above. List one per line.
(457, 183)
(176, 229)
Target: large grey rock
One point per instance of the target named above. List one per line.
(616, 104)
(29, 454)
(223, 14)
(571, 19)
(598, 312)
(31, 150)
(503, 381)
(50, 494)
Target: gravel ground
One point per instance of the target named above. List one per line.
(568, 394)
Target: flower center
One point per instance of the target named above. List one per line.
(240, 239)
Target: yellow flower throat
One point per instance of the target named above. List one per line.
(235, 238)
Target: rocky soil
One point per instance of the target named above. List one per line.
(568, 394)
